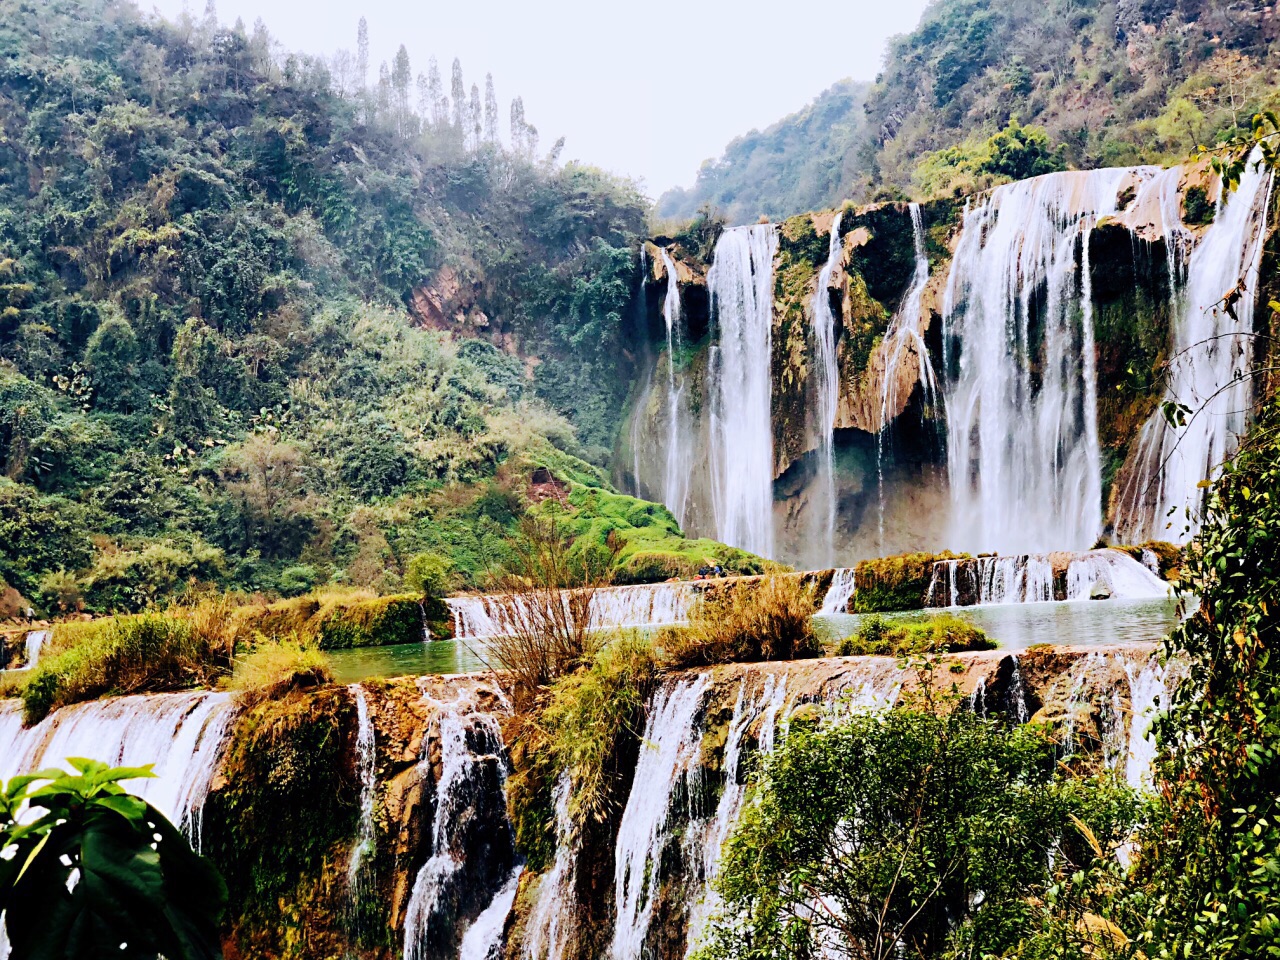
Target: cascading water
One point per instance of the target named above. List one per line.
(181, 734)
(843, 587)
(827, 386)
(1148, 693)
(740, 283)
(1021, 403)
(366, 770)
(670, 752)
(471, 838)
(708, 841)
(642, 605)
(1211, 359)
(551, 921)
(1029, 578)
(678, 466)
(902, 334)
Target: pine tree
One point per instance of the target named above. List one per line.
(400, 76)
(435, 91)
(490, 111)
(424, 99)
(475, 119)
(458, 91)
(362, 55)
(517, 125)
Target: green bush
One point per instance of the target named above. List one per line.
(939, 633)
(371, 623)
(430, 575)
(923, 830)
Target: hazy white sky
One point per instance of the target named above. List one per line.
(646, 90)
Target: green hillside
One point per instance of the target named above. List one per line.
(224, 273)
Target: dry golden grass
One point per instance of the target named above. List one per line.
(766, 619)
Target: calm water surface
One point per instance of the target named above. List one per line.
(1075, 622)
(441, 657)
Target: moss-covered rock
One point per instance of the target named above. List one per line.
(889, 584)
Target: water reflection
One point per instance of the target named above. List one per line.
(441, 657)
(1073, 623)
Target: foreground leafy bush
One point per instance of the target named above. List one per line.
(920, 832)
(100, 873)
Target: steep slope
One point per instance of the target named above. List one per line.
(805, 161)
(216, 266)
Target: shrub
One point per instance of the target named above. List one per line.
(272, 669)
(137, 654)
(298, 579)
(940, 633)
(382, 622)
(767, 619)
(60, 591)
(429, 574)
(891, 584)
(922, 832)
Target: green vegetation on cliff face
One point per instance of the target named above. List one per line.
(225, 277)
(805, 161)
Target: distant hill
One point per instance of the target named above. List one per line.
(1111, 83)
(805, 161)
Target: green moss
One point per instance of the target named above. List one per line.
(890, 584)
(939, 633)
(372, 623)
(284, 815)
(642, 539)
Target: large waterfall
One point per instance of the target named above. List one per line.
(1210, 360)
(1021, 401)
(740, 283)
(180, 733)
(827, 388)
(678, 467)
(903, 334)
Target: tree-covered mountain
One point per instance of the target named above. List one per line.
(220, 267)
(806, 161)
(1109, 82)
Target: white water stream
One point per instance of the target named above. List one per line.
(827, 388)
(366, 837)
(496, 615)
(677, 472)
(740, 283)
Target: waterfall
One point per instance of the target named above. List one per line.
(827, 385)
(1018, 690)
(740, 284)
(551, 921)
(466, 849)
(33, 643)
(1029, 578)
(1210, 363)
(678, 467)
(842, 589)
(483, 939)
(642, 605)
(904, 333)
(181, 734)
(1146, 691)
(366, 769)
(1115, 573)
(1021, 403)
(708, 842)
(669, 753)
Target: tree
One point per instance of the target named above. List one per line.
(490, 110)
(475, 119)
(435, 93)
(458, 92)
(400, 77)
(101, 873)
(906, 833)
(362, 55)
(109, 358)
(518, 142)
(265, 476)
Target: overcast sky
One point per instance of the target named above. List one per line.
(646, 90)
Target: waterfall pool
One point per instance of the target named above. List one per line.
(1016, 626)
(440, 657)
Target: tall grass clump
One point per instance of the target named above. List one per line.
(767, 619)
(272, 669)
(138, 654)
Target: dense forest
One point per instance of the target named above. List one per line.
(1107, 82)
(225, 279)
